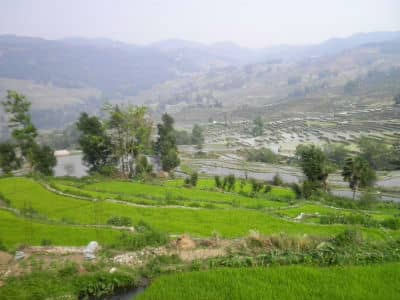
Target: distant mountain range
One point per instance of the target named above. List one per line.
(119, 68)
(108, 69)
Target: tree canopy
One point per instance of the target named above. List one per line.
(166, 146)
(358, 173)
(314, 164)
(24, 147)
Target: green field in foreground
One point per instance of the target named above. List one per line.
(202, 222)
(281, 283)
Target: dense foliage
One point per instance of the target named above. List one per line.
(166, 146)
(24, 147)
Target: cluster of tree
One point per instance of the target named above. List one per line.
(258, 186)
(258, 127)
(166, 146)
(195, 138)
(23, 149)
(397, 99)
(357, 171)
(379, 155)
(227, 183)
(66, 138)
(336, 154)
(123, 141)
(264, 155)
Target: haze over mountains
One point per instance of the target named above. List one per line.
(83, 73)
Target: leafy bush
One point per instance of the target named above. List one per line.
(5, 199)
(365, 220)
(218, 182)
(348, 237)
(192, 180)
(145, 236)
(267, 188)
(310, 188)
(256, 186)
(119, 221)
(100, 285)
(296, 188)
(229, 182)
(46, 242)
(277, 180)
(2, 246)
(70, 269)
(392, 223)
(367, 199)
(261, 155)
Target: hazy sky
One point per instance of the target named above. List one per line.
(253, 23)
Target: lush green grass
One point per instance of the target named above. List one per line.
(17, 231)
(209, 184)
(158, 192)
(281, 283)
(228, 222)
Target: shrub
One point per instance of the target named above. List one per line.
(367, 199)
(277, 180)
(145, 236)
(5, 199)
(267, 188)
(119, 221)
(348, 237)
(256, 186)
(262, 155)
(46, 242)
(69, 269)
(229, 182)
(143, 168)
(218, 182)
(296, 188)
(194, 178)
(392, 223)
(365, 220)
(102, 284)
(2, 246)
(310, 188)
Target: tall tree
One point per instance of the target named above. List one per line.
(23, 130)
(258, 128)
(96, 146)
(166, 144)
(129, 130)
(197, 137)
(358, 173)
(40, 158)
(314, 164)
(378, 154)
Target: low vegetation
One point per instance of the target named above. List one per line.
(294, 282)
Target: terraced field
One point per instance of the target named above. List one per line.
(230, 215)
(230, 229)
